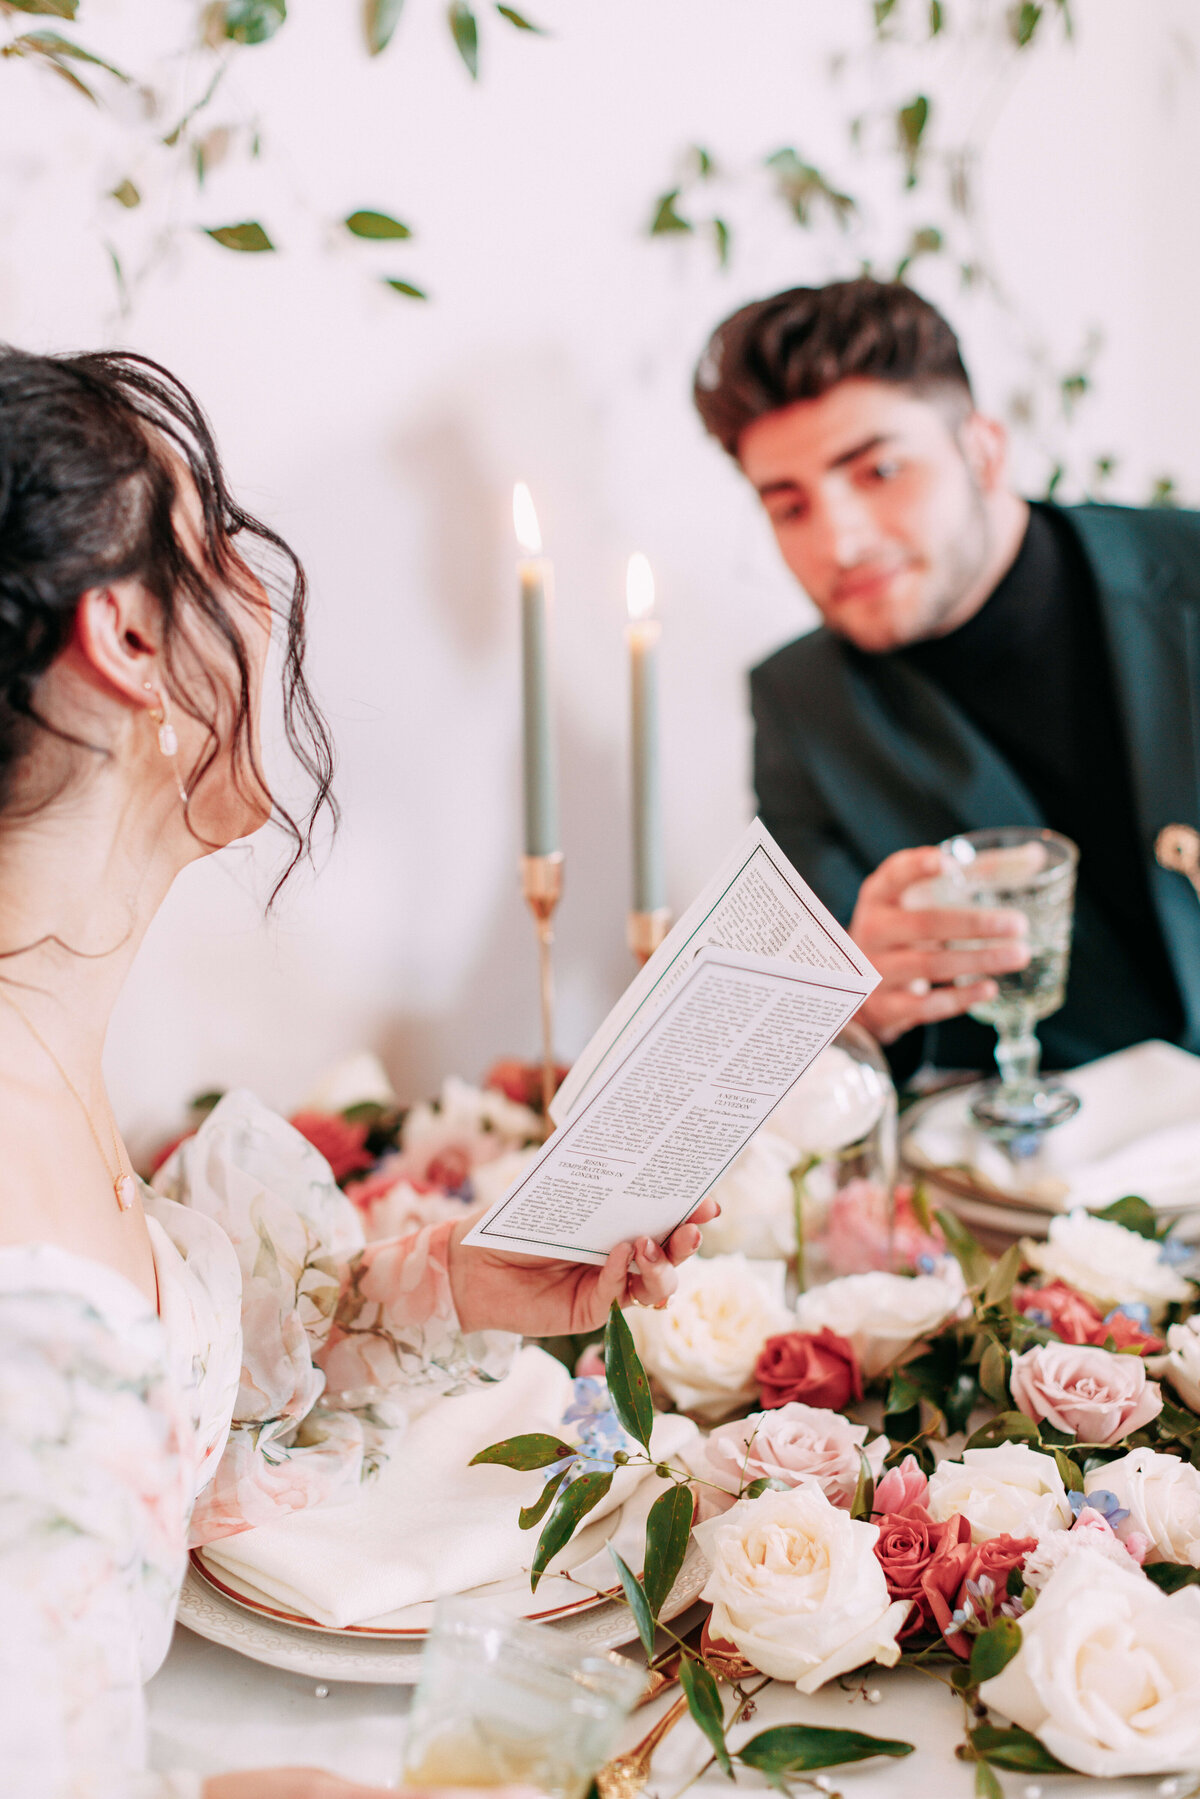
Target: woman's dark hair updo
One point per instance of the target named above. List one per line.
(91, 452)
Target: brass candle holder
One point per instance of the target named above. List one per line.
(646, 931)
(542, 885)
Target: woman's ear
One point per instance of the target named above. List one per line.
(116, 639)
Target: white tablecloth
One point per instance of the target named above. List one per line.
(214, 1711)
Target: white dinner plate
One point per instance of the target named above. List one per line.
(392, 1661)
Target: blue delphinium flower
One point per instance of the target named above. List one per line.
(1102, 1501)
(1133, 1308)
(601, 1435)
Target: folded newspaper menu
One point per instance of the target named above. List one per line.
(753, 982)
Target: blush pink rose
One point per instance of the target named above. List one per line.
(1096, 1395)
(906, 1548)
(903, 1492)
(814, 1367)
(1068, 1314)
(860, 1237)
(792, 1443)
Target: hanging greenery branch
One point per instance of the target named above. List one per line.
(248, 237)
(59, 54)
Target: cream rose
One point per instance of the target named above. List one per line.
(1181, 1364)
(1097, 1396)
(702, 1348)
(882, 1315)
(1007, 1491)
(1111, 1265)
(758, 1206)
(1108, 1673)
(1162, 1497)
(796, 1585)
(789, 1444)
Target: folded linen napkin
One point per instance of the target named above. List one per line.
(427, 1524)
(1137, 1131)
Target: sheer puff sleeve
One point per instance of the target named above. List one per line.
(338, 1335)
(96, 1478)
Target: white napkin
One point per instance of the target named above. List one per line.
(427, 1524)
(1137, 1131)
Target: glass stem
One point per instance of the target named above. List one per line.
(1018, 1059)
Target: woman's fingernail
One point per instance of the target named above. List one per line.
(650, 1252)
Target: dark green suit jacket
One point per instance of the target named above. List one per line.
(858, 755)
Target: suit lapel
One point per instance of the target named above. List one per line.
(1153, 635)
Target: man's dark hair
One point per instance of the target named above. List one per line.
(797, 345)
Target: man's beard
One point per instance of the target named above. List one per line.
(954, 575)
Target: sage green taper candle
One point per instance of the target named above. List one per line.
(649, 872)
(540, 771)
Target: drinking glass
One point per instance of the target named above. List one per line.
(1030, 871)
(502, 1702)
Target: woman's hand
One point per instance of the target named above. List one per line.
(539, 1298)
(312, 1783)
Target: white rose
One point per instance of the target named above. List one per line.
(1108, 1672)
(1007, 1491)
(355, 1081)
(790, 1444)
(836, 1101)
(882, 1315)
(1111, 1265)
(758, 1206)
(484, 1121)
(1162, 1496)
(795, 1584)
(1181, 1364)
(702, 1348)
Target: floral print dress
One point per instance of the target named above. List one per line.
(280, 1339)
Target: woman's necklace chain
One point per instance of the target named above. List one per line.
(122, 1181)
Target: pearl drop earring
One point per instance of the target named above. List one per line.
(168, 742)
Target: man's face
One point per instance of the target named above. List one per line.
(878, 513)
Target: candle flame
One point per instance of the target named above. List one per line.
(639, 588)
(525, 521)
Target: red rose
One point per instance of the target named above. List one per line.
(947, 1586)
(942, 1579)
(905, 1548)
(1071, 1317)
(341, 1143)
(522, 1081)
(815, 1367)
(1126, 1332)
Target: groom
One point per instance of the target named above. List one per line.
(982, 660)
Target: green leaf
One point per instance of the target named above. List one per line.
(1023, 21)
(758, 1487)
(376, 225)
(666, 218)
(253, 21)
(465, 32)
(520, 21)
(937, 17)
(1165, 492)
(249, 237)
(704, 1703)
(404, 287)
(1134, 1214)
(864, 1491)
(911, 121)
(993, 1373)
(51, 44)
(986, 1784)
(1172, 1576)
(1005, 1427)
(127, 194)
(668, 1528)
(535, 1450)
(883, 11)
(576, 1502)
(1014, 1748)
(802, 1748)
(55, 9)
(380, 21)
(967, 1250)
(1068, 1471)
(720, 232)
(993, 1649)
(638, 1604)
(1174, 1421)
(529, 1515)
(1003, 1278)
(628, 1387)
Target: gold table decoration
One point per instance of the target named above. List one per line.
(646, 931)
(542, 885)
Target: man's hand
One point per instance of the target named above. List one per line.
(538, 1298)
(911, 949)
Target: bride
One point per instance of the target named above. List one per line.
(162, 1354)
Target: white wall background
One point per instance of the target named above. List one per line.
(383, 436)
